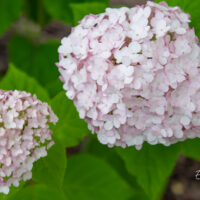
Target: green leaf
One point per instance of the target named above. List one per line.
(70, 129)
(35, 11)
(37, 61)
(54, 87)
(50, 170)
(39, 192)
(94, 147)
(191, 148)
(70, 11)
(81, 9)
(18, 80)
(90, 178)
(60, 10)
(191, 7)
(9, 12)
(152, 165)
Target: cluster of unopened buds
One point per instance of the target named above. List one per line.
(24, 135)
(133, 74)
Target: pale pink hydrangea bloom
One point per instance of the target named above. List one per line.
(134, 75)
(24, 135)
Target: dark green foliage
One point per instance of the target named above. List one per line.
(9, 12)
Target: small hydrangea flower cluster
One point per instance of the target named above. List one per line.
(134, 75)
(24, 135)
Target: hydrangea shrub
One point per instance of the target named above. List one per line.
(24, 135)
(133, 74)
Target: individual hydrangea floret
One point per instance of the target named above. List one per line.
(24, 135)
(134, 75)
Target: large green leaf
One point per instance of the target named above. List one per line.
(18, 80)
(39, 192)
(35, 11)
(90, 178)
(191, 148)
(152, 165)
(60, 10)
(9, 12)
(54, 87)
(70, 129)
(37, 61)
(50, 170)
(191, 7)
(94, 147)
(70, 11)
(81, 9)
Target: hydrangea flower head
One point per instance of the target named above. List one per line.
(134, 75)
(24, 135)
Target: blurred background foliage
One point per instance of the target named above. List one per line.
(78, 166)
